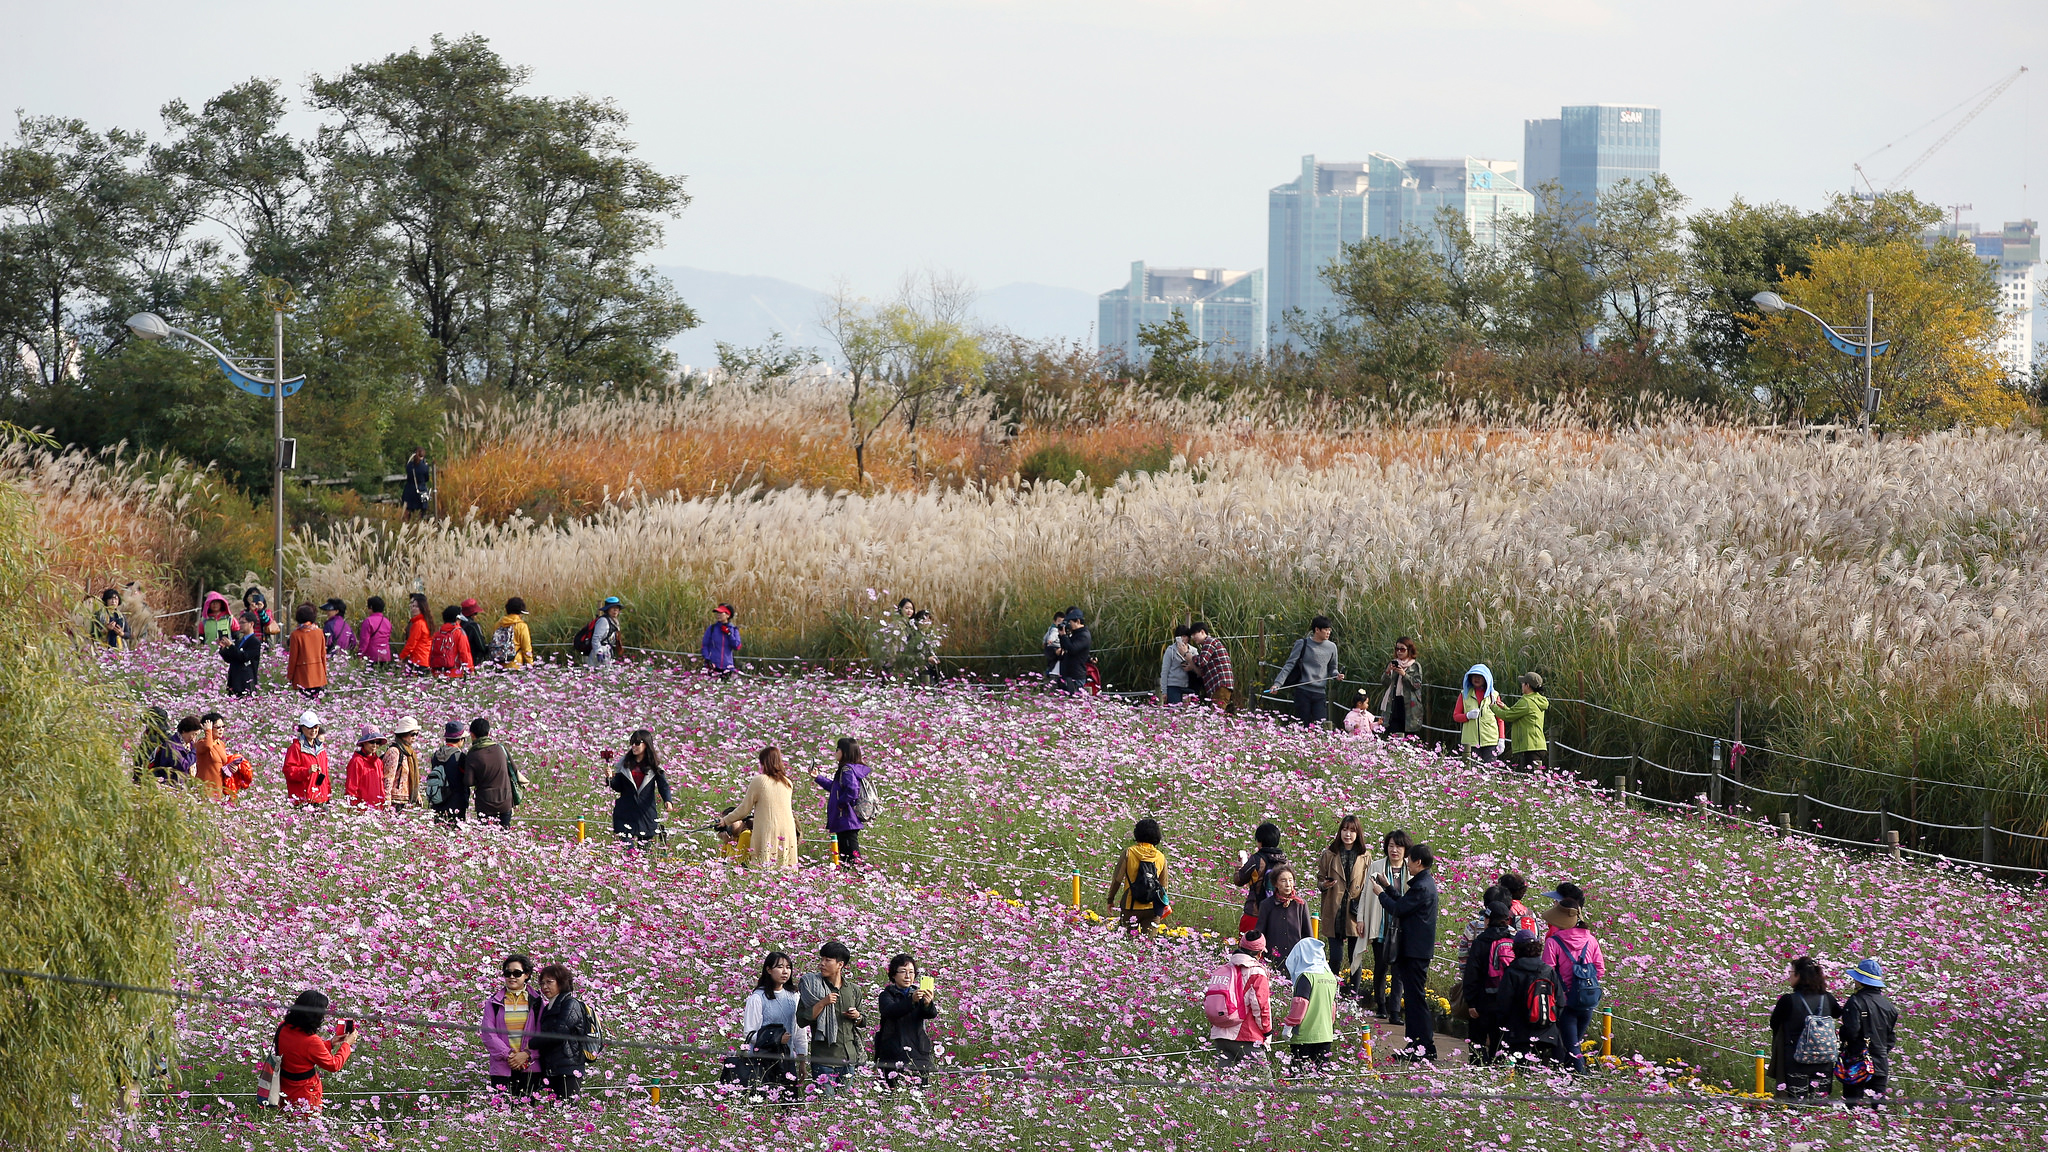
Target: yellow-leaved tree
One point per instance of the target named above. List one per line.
(1937, 304)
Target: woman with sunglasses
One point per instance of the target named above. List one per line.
(511, 1017)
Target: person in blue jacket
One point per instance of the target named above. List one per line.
(721, 642)
(842, 795)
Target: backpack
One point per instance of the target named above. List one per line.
(593, 1044)
(1585, 991)
(442, 654)
(771, 1038)
(1145, 886)
(1820, 1038)
(1542, 1002)
(867, 802)
(583, 637)
(269, 1089)
(503, 645)
(1223, 1001)
(1499, 955)
(1261, 886)
(1092, 677)
(1294, 674)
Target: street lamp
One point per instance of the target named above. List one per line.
(240, 371)
(1864, 344)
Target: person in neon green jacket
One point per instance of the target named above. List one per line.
(1476, 710)
(1524, 718)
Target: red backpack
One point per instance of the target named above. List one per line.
(1542, 1002)
(442, 654)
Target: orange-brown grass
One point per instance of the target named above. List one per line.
(107, 520)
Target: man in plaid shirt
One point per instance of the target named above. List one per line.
(1212, 664)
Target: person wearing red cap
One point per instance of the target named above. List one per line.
(473, 631)
(721, 642)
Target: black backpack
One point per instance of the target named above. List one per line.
(1145, 886)
(771, 1039)
(583, 638)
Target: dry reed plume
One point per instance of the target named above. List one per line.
(106, 519)
(1907, 564)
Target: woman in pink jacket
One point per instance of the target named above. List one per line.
(1570, 942)
(373, 636)
(511, 1017)
(1249, 999)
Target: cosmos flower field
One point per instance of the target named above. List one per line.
(1056, 1031)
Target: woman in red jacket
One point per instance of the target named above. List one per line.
(302, 1054)
(305, 764)
(419, 637)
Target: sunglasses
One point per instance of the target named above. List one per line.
(512, 972)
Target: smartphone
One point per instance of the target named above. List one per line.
(925, 984)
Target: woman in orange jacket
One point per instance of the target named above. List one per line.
(419, 637)
(306, 661)
(302, 1055)
(219, 771)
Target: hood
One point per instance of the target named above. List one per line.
(509, 619)
(213, 598)
(1244, 961)
(1480, 670)
(1307, 957)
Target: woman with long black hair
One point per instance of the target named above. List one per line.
(643, 790)
(1805, 1036)
(773, 1040)
(842, 800)
(302, 1055)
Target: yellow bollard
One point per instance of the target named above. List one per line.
(1606, 1034)
(1761, 1088)
(835, 851)
(579, 831)
(657, 1095)
(1315, 927)
(1077, 891)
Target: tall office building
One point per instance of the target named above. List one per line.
(2014, 256)
(1405, 198)
(1309, 220)
(1589, 148)
(1225, 310)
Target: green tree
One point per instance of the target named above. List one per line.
(92, 869)
(1173, 353)
(936, 360)
(1396, 320)
(514, 222)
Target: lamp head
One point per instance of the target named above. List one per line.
(1769, 302)
(149, 326)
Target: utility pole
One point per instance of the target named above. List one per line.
(277, 474)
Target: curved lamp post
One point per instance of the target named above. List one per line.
(242, 372)
(1849, 341)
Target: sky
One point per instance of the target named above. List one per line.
(1055, 141)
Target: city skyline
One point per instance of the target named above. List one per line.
(825, 141)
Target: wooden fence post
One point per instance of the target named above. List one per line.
(1784, 825)
(1891, 844)
(1799, 813)
(1714, 780)
(1621, 790)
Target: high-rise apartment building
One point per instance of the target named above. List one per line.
(2014, 256)
(1589, 148)
(1311, 218)
(1308, 221)
(1224, 309)
(1405, 198)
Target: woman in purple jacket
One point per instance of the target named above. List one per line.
(373, 635)
(842, 795)
(511, 1017)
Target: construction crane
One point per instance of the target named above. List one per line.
(1997, 90)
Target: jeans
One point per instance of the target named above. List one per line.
(1386, 1001)
(1175, 693)
(565, 1085)
(1487, 1036)
(518, 1085)
(1311, 707)
(830, 1078)
(1572, 1024)
(849, 847)
(1233, 1054)
(1071, 685)
(1414, 973)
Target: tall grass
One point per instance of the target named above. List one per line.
(1868, 601)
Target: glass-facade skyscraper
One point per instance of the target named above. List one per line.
(1589, 148)
(1312, 217)
(1308, 221)
(1224, 309)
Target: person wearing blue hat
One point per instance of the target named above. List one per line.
(605, 644)
(1869, 1022)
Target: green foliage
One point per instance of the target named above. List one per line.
(91, 868)
(770, 360)
(1173, 357)
(1062, 462)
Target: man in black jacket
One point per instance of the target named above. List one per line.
(1869, 1022)
(1415, 909)
(1074, 653)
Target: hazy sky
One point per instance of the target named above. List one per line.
(1056, 141)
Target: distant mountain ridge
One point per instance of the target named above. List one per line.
(745, 310)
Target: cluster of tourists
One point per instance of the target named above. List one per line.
(1524, 985)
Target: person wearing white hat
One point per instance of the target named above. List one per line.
(402, 780)
(1869, 1022)
(305, 764)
